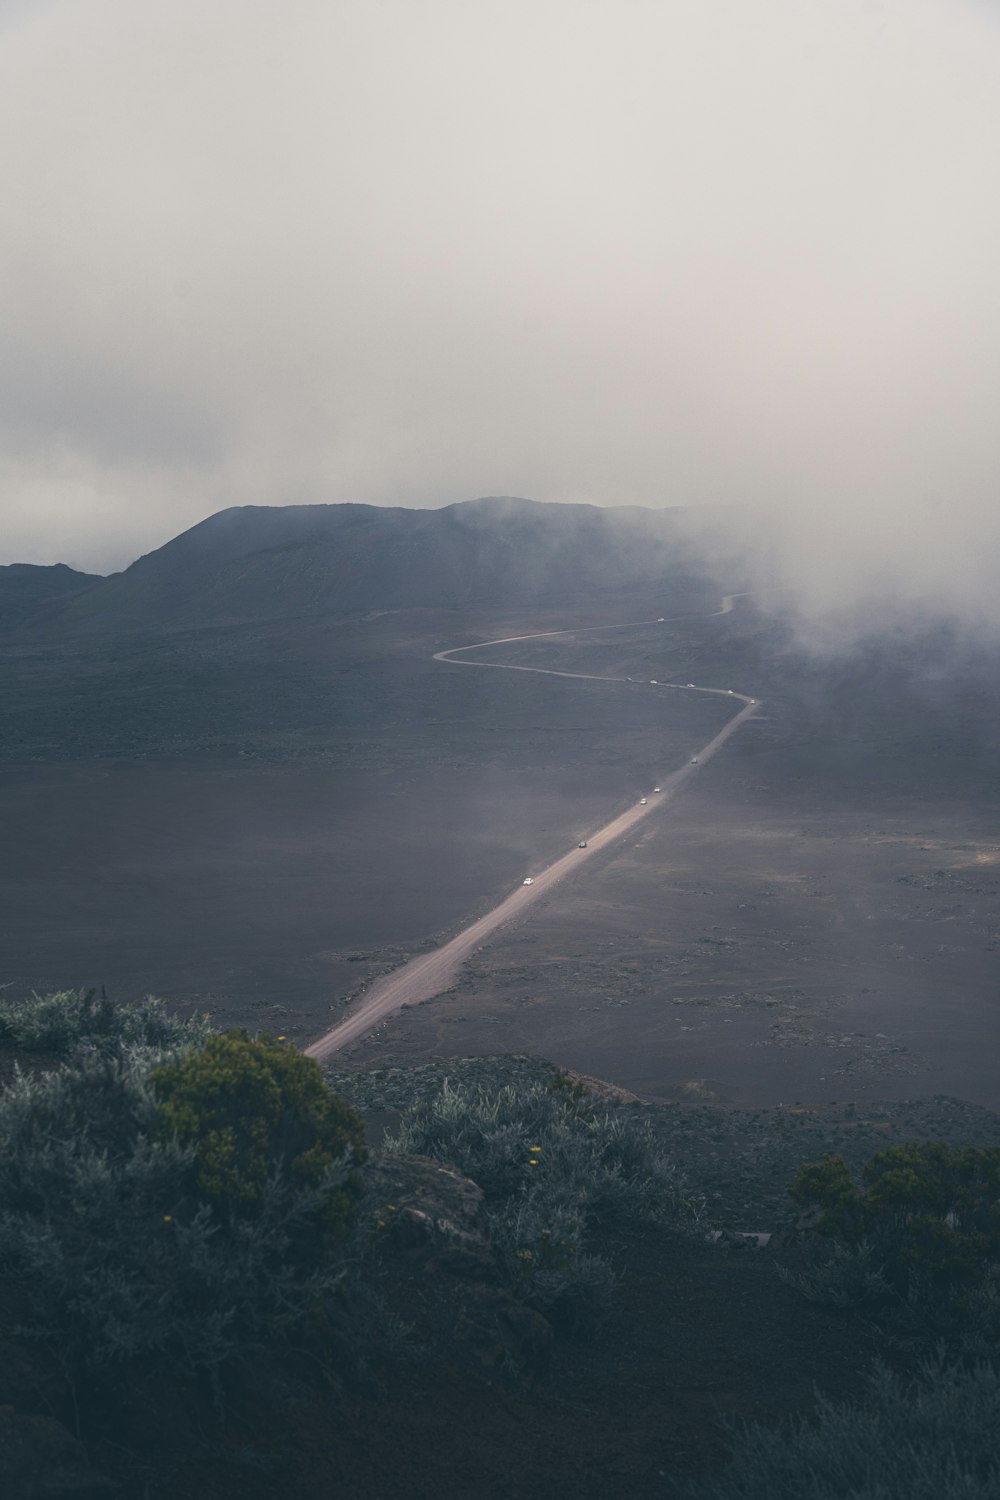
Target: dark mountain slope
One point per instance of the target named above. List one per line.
(256, 563)
(28, 591)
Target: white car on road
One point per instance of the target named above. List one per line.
(529, 881)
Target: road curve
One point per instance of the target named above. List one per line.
(424, 977)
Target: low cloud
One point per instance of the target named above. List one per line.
(665, 254)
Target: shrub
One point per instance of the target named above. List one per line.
(81, 1020)
(516, 1137)
(249, 1108)
(550, 1168)
(917, 1237)
(840, 1275)
(935, 1439)
(542, 1244)
(938, 1204)
(110, 1254)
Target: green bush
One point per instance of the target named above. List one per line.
(248, 1108)
(915, 1241)
(551, 1168)
(938, 1205)
(110, 1252)
(935, 1439)
(81, 1020)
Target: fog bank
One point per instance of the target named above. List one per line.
(672, 253)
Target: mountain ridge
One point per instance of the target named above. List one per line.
(28, 590)
(247, 564)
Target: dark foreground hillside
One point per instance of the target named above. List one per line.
(537, 1286)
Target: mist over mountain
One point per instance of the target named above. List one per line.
(269, 628)
(255, 563)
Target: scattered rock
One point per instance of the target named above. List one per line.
(741, 1239)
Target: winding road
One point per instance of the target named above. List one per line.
(424, 977)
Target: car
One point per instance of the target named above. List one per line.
(694, 760)
(529, 881)
(656, 789)
(661, 620)
(653, 682)
(689, 684)
(643, 801)
(582, 844)
(730, 692)
(753, 700)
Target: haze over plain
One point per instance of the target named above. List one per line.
(667, 254)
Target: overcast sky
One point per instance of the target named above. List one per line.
(412, 251)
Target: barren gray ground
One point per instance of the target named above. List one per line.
(815, 918)
(424, 978)
(739, 952)
(769, 939)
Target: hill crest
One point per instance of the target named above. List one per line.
(253, 563)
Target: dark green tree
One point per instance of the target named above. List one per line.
(937, 1206)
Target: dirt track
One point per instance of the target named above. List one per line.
(424, 977)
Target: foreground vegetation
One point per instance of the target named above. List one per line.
(189, 1208)
(77, 1022)
(934, 1438)
(915, 1243)
(181, 1199)
(551, 1167)
(127, 1229)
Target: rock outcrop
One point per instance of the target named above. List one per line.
(433, 1255)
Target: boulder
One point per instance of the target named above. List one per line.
(429, 1238)
(428, 1210)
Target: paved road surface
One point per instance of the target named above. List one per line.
(424, 977)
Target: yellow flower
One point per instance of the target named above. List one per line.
(168, 1218)
(381, 1223)
(391, 1207)
(282, 1038)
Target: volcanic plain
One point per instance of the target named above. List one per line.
(258, 823)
